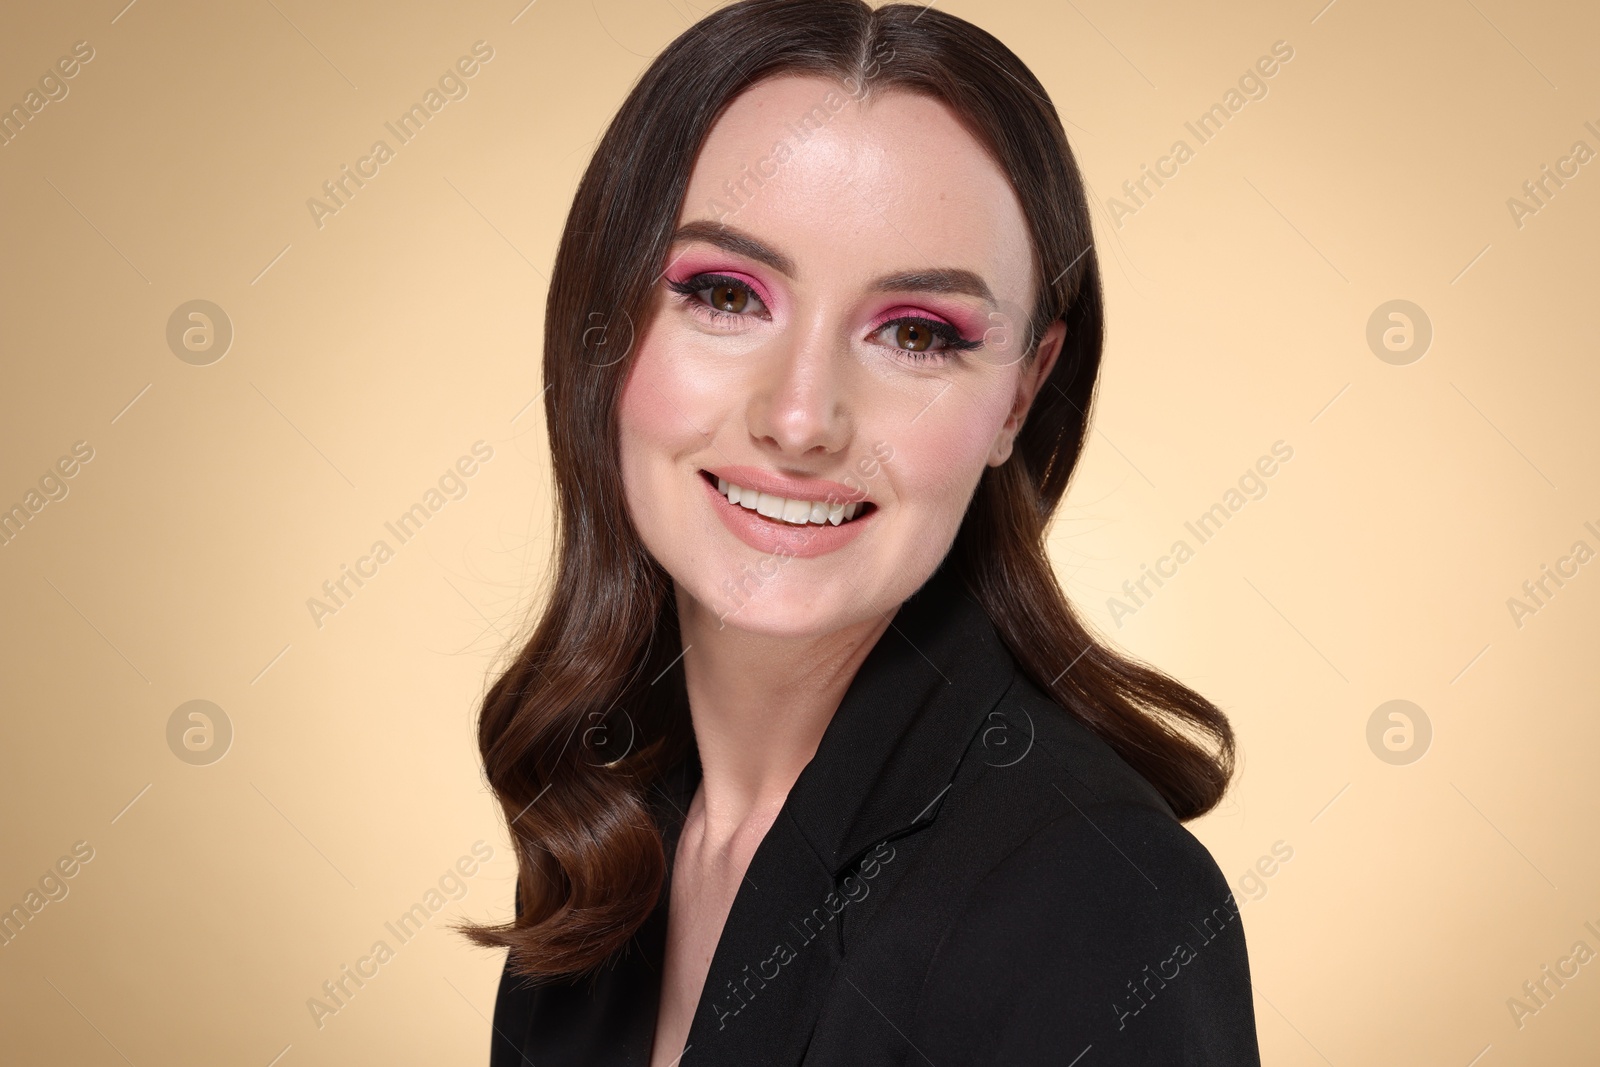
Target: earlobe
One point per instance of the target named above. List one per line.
(1032, 380)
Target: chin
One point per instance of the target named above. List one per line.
(784, 604)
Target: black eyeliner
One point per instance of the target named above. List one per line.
(942, 330)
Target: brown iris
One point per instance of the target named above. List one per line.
(729, 298)
(912, 336)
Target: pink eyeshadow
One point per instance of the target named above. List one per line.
(690, 265)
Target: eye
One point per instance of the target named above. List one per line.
(730, 299)
(719, 296)
(917, 335)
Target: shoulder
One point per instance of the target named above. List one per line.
(1096, 918)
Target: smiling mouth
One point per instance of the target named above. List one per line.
(792, 511)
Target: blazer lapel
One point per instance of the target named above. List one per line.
(879, 772)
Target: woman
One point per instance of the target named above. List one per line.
(808, 759)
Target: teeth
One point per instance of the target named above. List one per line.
(798, 512)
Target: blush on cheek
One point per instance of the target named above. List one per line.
(963, 434)
(644, 410)
(933, 475)
(650, 434)
(665, 395)
(938, 460)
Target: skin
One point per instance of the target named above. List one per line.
(802, 381)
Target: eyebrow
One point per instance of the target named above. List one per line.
(736, 241)
(946, 280)
(939, 280)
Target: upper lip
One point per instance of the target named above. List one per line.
(789, 486)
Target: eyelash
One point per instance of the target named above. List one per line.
(689, 290)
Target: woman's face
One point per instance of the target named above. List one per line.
(837, 342)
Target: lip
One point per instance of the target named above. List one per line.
(781, 538)
(789, 487)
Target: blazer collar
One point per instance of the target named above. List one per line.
(892, 748)
(884, 764)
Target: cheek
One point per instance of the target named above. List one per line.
(646, 413)
(671, 406)
(939, 458)
(651, 430)
(681, 388)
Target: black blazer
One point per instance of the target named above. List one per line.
(963, 874)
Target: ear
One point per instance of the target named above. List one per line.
(1029, 382)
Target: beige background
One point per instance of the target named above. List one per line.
(372, 352)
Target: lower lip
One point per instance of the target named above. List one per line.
(784, 538)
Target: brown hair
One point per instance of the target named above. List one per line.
(593, 708)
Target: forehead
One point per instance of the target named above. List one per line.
(851, 188)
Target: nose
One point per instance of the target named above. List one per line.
(797, 407)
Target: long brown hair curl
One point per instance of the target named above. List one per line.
(592, 710)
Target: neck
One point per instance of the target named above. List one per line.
(759, 706)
